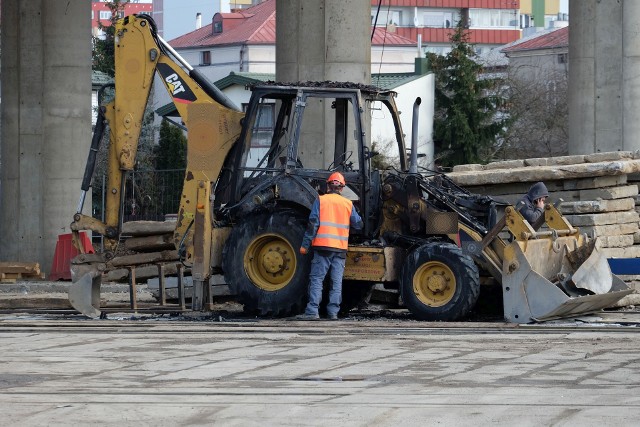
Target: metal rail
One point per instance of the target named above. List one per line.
(212, 324)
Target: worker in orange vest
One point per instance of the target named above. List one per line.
(328, 232)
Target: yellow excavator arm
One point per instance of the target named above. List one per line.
(211, 119)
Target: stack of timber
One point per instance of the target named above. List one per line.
(148, 244)
(12, 271)
(599, 193)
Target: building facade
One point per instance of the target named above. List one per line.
(491, 23)
(245, 41)
(101, 14)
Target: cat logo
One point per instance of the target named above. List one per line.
(174, 81)
(179, 89)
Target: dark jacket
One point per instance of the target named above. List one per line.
(527, 206)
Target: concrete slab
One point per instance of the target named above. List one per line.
(67, 371)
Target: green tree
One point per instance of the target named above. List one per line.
(103, 48)
(469, 121)
(171, 151)
(170, 160)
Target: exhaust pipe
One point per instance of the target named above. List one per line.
(413, 164)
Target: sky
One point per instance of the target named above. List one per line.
(564, 6)
(180, 15)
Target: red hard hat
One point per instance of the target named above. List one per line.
(337, 177)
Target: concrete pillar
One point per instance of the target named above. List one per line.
(46, 123)
(321, 40)
(631, 75)
(603, 83)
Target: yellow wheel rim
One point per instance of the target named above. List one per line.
(270, 262)
(434, 284)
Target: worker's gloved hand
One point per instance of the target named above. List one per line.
(304, 250)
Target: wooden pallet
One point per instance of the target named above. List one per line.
(12, 271)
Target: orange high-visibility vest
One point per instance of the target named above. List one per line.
(335, 216)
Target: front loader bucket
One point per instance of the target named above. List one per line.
(545, 279)
(84, 292)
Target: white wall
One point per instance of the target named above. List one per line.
(538, 65)
(382, 128)
(394, 59)
(224, 59)
(238, 94)
(381, 124)
(260, 59)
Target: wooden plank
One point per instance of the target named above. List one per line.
(148, 228)
(20, 267)
(12, 277)
(144, 258)
(150, 243)
(142, 273)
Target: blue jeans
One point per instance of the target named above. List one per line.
(319, 267)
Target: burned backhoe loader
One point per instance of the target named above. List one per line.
(252, 178)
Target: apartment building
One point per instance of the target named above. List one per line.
(491, 23)
(101, 14)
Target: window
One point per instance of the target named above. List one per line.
(438, 19)
(105, 14)
(394, 17)
(217, 27)
(261, 135)
(205, 57)
(563, 58)
(493, 18)
(121, 14)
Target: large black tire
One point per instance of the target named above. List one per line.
(439, 282)
(263, 266)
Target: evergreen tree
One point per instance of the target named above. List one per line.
(103, 49)
(171, 151)
(468, 122)
(171, 160)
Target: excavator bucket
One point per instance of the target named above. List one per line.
(560, 277)
(84, 292)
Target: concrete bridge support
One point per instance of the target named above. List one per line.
(46, 122)
(604, 76)
(323, 40)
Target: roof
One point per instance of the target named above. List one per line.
(385, 81)
(390, 81)
(257, 25)
(543, 40)
(494, 58)
(243, 79)
(384, 37)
